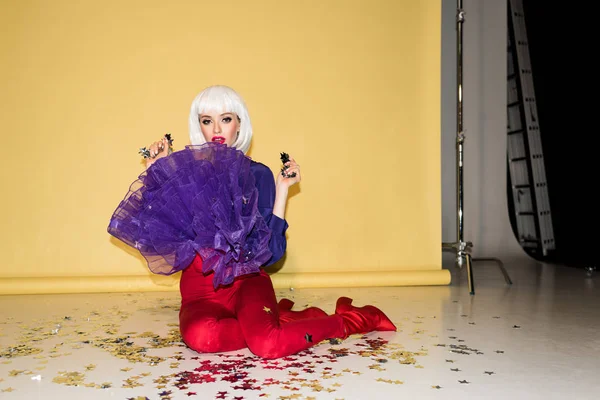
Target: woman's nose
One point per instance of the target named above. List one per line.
(217, 128)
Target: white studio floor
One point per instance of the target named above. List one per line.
(536, 339)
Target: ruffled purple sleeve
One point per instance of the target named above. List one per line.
(265, 183)
(201, 200)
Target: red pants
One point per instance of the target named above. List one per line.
(244, 314)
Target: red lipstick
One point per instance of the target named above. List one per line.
(218, 139)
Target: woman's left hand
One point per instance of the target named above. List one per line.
(287, 181)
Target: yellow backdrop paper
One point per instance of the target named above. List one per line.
(350, 89)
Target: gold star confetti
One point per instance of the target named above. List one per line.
(19, 351)
(404, 357)
(396, 382)
(131, 383)
(146, 334)
(69, 378)
(9, 389)
(316, 387)
(267, 310)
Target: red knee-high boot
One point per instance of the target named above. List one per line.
(286, 314)
(362, 319)
(265, 336)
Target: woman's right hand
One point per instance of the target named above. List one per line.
(157, 150)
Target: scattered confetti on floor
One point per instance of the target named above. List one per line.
(127, 346)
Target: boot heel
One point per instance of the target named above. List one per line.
(343, 304)
(285, 304)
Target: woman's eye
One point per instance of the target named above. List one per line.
(205, 121)
(227, 120)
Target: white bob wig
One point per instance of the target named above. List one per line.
(220, 99)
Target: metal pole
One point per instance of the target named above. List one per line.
(459, 123)
(463, 255)
(462, 248)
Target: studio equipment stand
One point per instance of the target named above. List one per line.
(462, 248)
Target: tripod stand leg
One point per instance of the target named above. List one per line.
(470, 273)
(500, 264)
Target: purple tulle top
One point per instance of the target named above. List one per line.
(209, 200)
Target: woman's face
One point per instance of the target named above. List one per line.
(219, 128)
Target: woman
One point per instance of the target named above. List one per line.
(218, 216)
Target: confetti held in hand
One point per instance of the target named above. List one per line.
(285, 158)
